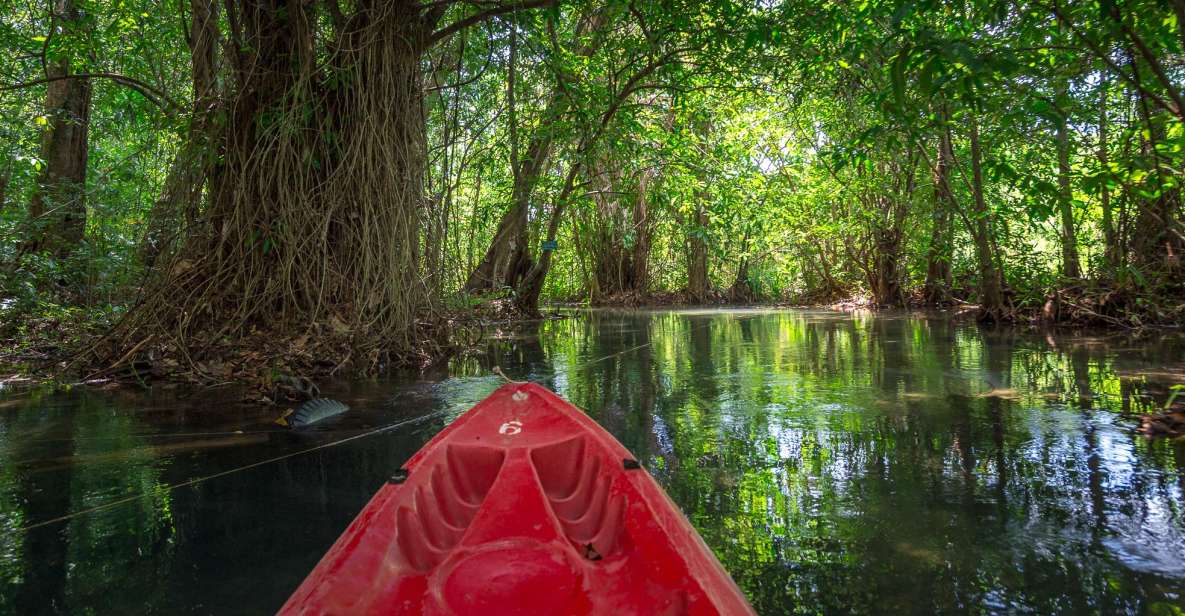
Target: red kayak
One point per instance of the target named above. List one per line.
(523, 505)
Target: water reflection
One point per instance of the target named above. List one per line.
(835, 463)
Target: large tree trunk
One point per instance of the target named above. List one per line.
(1065, 202)
(1158, 243)
(819, 261)
(316, 201)
(741, 291)
(620, 240)
(508, 257)
(886, 276)
(531, 287)
(5, 178)
(888, 238)
(642, 226)
(939, 255)
(611, 266)
(991, 294)
(178, 205)
(697, 253)
(1111, 251)
(307, 254)
(58, 206)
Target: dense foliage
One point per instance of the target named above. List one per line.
(206, 177)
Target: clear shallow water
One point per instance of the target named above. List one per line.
(835, 463)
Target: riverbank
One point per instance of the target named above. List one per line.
(1083, 304)
(66, 346)
(272, 363)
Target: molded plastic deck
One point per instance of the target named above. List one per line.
(523, 505)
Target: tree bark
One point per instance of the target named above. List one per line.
(620, 239)
(1110, 243)
(178, 203)
(528, 291)
(58, 206)
(5, 178)
(697, 253)
(641, 250)
(831, 287)
(741, 291)
(886, 285)
(316, 198)
(991, 296)
(612, 267)
(316, 205)
(1157, 245)
(888, 237)
(1065, 202)
(938, 257)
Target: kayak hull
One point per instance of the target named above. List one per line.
(523, 505)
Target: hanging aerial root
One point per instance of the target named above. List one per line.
(306, 256)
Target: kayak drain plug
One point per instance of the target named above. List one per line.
(399, 476)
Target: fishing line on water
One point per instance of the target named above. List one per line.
(632, 349)
(197, 480)
(599, 360)
(77, 439)
(380, 430)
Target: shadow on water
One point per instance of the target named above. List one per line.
(834, 462)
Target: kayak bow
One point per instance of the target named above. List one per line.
(524, 505)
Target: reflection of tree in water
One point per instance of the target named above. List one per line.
(702, 363)
(834, 490)
(12, 517)
(517, 350)
(44, 494)
(82, 456)
(1080, 362)
(106, 548)
(610, 373)
(835, 463)
(887, 354)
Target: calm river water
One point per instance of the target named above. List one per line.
(836, 463)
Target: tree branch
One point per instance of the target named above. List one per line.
(633, 84)
(1106, 58)
(156, 97)
(501, 9)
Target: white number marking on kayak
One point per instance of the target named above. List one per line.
(511, 427)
